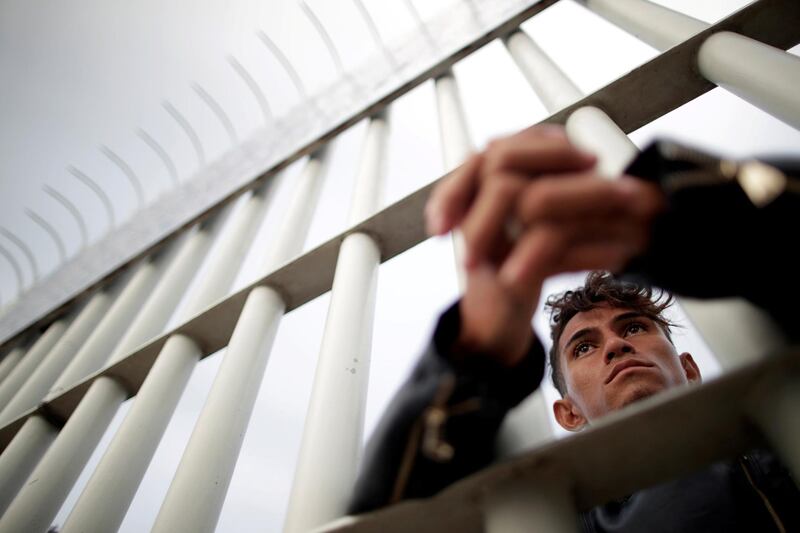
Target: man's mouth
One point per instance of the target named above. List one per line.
(628, 363)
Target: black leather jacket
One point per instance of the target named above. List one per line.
(735, 248)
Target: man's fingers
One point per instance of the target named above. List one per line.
(535, 153)
(585, 195)
(451, 198)
(484, 226)
(532, 258)
(552, 248)
(530, 153)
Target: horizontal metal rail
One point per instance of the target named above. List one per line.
(633, 100)
(628, 450)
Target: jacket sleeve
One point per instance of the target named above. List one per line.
(713, 241)
(442, 424)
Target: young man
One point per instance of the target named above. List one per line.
(611, 347)
(611, 342)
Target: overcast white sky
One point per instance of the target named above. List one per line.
(85, 73)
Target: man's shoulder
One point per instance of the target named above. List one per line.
(753, 492)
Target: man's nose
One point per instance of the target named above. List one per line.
(616, 347)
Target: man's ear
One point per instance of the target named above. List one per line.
(690, 368)
(568, 415)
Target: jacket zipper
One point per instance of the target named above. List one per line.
(427, 434)
(764, 499)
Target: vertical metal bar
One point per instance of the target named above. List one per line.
(107, 496)
(333, 430)
(60, 466)
(23, 457)
(88, 359)
(10, 361)
(453, 127)
(456, 146)
(594, 131)
(36, 386)
(158, 308)
(232, 248)
(548, 81)
(109, 492)
(94, 353)
(51, 480)
(38, 351)
(660, 27)
(195, 497)
(588, 127)
(766, 77)
(294, 228)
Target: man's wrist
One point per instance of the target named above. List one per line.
(508, 384)
(456, 341)
(505, 341)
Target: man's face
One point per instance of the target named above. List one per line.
(611, 357)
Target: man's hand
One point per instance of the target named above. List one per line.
(567, 219)
(479, 196)
(579, 222)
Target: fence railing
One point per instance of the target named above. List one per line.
(59, 390)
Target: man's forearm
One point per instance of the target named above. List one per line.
(442, 424)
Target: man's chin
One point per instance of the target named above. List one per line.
(636, 393)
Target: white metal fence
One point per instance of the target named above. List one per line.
(100, 345)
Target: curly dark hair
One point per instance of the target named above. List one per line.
(603, 287)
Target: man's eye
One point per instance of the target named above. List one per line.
(634, 328)
(581, 349)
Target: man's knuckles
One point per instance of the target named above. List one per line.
(530, 150)
(538, 201)
(576, 195)
(506, 186)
